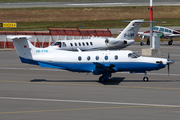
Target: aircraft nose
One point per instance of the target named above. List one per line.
(170, 61)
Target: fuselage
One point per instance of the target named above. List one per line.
(163, 32)
(85, 61)
(94, 43)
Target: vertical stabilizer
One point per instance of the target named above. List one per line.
(24, 48)
(131, 30)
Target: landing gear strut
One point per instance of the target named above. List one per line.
(145, 79)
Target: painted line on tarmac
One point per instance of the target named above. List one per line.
(100, 4)
(91, 102)
(72, 109)
(91, 85)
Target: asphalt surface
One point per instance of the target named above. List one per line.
(104, 3)
(30, 92)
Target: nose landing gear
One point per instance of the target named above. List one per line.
(145, 79)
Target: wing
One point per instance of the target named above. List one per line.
(174, 35)
(104, 68)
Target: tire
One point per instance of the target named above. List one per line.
(145, 79)
(170, 42)
(102, 80)
(141, 43)
(148, 42)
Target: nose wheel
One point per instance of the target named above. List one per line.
(145, 79)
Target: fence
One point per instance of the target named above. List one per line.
(45, 38)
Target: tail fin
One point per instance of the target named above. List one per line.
(24, 48)
(131, 30)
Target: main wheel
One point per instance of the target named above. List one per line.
(170, 42)
(102, 79)
(148, 42)
(145, 79)
(141, 43)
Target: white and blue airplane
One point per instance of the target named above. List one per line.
(124, 39)
(103, 62)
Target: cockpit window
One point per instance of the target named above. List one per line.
(133, 55)
(56, 44)
(155, 28)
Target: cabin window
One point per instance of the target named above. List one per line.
(75, 44)
(63, 44)
(71, 44)
(88, 58)
(106, 57)
(79, 44)
(170, 31)
(97, 57)
(87, 43)
(162, 29)
(91, 43)
(166, 30)
(115, 57)
(79, 58)
(83, 44)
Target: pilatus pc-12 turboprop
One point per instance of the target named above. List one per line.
(123, 40)
(103, 62)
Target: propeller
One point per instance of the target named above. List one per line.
(168, 63)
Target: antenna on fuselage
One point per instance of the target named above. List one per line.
(79, 50)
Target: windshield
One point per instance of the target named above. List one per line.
(133, 55)
(155, 28)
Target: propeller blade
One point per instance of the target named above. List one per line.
(168, 68)
(168, 63)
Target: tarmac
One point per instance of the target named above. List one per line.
(103, 3)
(31, 92)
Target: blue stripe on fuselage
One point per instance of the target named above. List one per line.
(90, 66)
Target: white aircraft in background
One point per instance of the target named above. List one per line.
(103, 62)
(123, 40)
(164, 33)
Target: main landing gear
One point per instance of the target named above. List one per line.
(148, 42)
(170, 42)
(104, 77)
(145, 79)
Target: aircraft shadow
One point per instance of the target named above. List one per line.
(112, 81)
(152, 81)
